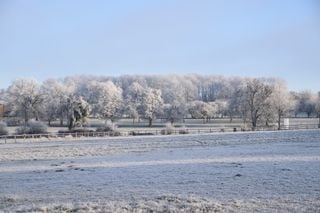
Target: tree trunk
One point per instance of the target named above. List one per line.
(61, 120)
(70, 125)
(254, 124)
(279, 122)
(37, 116)
(150, 122)
(26, 117)
(231, 118)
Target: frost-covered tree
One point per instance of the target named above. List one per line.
(80, 110)
(135, 92)
(151, 104)
(175, 96)
(3, 128)
(202, 110)
(109, 100)
(221, 107)
(25, 98)
(257, 93)
(306, 103)
(174, 112)
(210, 110)
(236, 105)
(194, 109)
(281, 101)
(56, 95)
(133, 100)
(189, 89)
(132, 112)
(317, 106)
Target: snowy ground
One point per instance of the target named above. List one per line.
(263, 171)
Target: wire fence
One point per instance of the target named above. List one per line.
(136, 132)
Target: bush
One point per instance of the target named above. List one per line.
(107, 127)
(114, 133)
(110, 128)
(33, 127)
(77, 130)
(183, 131)
(169, 129)
(134, 133)
(3, 128)
(13, 121)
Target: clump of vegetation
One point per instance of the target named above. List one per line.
(110, 128)
(168, 130)
(183, 130)
(76, 130)
(33, 127)
(107, 127)
(3, 128)
(136, 133)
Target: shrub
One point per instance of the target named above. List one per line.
(33, 127)
(107, 127)
(169, 129)
(183, 131)
(3, 128)
(110, 128)
(114, 133)
(22, 130)
(134, 133)
(76, 130)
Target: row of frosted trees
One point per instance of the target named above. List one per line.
(171, 97)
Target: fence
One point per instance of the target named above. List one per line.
(175, 131)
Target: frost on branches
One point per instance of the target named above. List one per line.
(79, 111)
(151, 103)
(258, 102)
(25, 98)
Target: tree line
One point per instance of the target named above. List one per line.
(257, 101)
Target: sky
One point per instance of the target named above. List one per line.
(254, 38)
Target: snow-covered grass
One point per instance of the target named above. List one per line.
(171, 204)
(247, 171)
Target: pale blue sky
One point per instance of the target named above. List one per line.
(278, 38)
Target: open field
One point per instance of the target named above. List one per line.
(245, 171)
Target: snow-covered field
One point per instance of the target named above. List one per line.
(257, 171)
